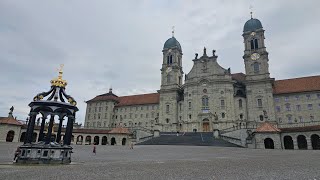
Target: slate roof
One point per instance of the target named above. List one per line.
(302, 84)
(267, 127)
(9, 120)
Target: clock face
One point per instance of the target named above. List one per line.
(253, 34)
(255, 56)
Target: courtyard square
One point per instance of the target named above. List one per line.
(168, 162)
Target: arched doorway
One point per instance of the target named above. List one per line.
(79, 139)
(88, 140)
(268, 143)
(113, 141)
(10, 136)
(288, 142)
(34, 137)
(96, 140)
(23, 136)
(104, 140)
(315, 141)
(124, 140)
(302, 142)
(205, 125)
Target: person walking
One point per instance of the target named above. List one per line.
(94, 149)
(16, 153)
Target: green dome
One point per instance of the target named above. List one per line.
(171, 43)
(252, 25)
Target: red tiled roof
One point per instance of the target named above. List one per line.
(238, 76)
(301, 129)
(119, 130)
(139, 99)
(303, 84)
(9, 120)
(267, 127)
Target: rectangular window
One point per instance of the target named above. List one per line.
(189, 116)
(276, 99)
(141, 107)
(100, 109)
(259, 102)
(147, 107)
(152, 107)
(288, 107)
(141, 115)
(106, 108)
(286, 98)
(189, 105)
(289, 119)
(222, 104)
(300, 119)
(310, 106)
(147, 115)
(98, 116)
(136, 108)
(308, 96)
(298, 107)
(88, 116)
(297, 97)
(95, 109)
(318, 95)
(105, 115)
(278, 108)
(167, 108)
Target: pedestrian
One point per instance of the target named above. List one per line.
(16, 153)
(94, 149)
(131, 145)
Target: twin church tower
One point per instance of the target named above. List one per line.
(212, 97)
(207, 98)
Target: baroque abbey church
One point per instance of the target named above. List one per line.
(209, 98)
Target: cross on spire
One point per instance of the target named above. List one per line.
(172, 31)
(251, 9)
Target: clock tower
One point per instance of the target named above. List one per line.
(171, 82)
(255, 53)
(258, 83)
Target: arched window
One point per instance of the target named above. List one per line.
(205, 102)
(254, 44)
(256, 67)
(168, 59)
(223, 115)
(240, 103)
(261, 118)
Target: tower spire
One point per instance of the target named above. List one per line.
(251, 8)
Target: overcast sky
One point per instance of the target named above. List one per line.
(106, 43)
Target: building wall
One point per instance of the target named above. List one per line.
(260, 138)
(5, 128)
(294, 136)
(288, 111)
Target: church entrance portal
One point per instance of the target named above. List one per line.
(205, 125)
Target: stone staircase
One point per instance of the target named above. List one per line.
(190, 138)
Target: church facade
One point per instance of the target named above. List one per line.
(211, 97)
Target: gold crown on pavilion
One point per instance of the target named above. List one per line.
(59, 81)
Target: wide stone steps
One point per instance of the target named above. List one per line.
(191, 139)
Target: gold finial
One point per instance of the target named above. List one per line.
(172, 31)
(59, 81)
(251, 8)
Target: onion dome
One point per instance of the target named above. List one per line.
(172, 43)
(252, 25)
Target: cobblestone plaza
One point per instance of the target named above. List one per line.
(169, 162)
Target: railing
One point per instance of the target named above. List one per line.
(248, 125)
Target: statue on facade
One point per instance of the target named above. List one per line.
(213, 52)
(196, 56)
(204, 51)
(11, 110)
(215, 116)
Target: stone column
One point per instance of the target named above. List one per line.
(32, 121)
(41, 134)
(295, 143)
(68, 133)
(59, 129)
(309, 144)
(48, 138)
